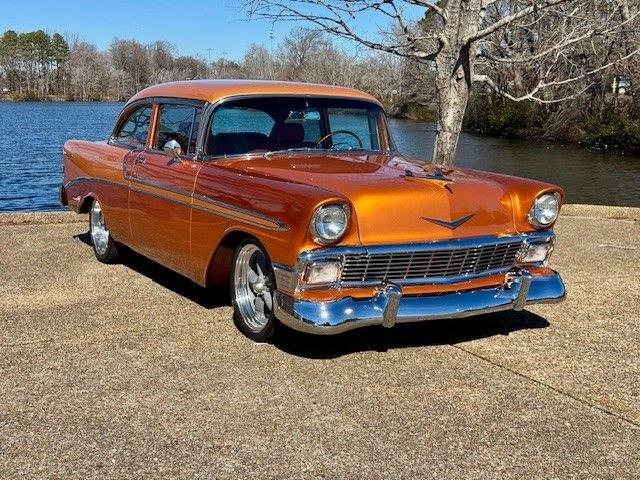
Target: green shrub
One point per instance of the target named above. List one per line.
(504, 118)
(419, 113)
(612, 129)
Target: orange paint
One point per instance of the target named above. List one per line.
(179, 213)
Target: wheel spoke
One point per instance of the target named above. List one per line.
(259, 304)
(260, 274)
(252, 276)
(268, 300)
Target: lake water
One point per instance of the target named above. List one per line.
(31, 170)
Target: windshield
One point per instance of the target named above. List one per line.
(285, 124)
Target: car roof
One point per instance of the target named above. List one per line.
(215, 90)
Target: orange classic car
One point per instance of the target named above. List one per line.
(294, 196)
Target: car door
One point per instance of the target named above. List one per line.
(161, 187)
(129, 138)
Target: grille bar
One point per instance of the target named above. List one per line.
(418, 265)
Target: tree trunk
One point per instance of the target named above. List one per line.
(453, 96)
(454, 75)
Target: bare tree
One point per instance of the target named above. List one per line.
(259, 63)
(459, 37)
(87, 71)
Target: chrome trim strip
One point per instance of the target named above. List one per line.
(327, 318)
(79, 180)
(280, 225)
(277, 224)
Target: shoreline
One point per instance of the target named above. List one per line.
(606, 149)
(608, 212)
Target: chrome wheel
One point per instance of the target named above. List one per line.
(253, 287)
(99, 230)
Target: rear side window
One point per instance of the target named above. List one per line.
(134, 131)
(179, 123)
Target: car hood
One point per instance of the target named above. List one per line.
(398, 199)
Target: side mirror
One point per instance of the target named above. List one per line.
(173, 149)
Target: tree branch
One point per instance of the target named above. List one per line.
(504, 21)
(532, 95)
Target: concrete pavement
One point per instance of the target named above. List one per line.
(130, 370)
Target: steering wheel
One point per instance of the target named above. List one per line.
(329, 135)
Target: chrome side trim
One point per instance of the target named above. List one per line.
(389, 306)
(277, 225)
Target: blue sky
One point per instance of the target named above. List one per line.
(192, 26)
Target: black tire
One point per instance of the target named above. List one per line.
(246, 253)
(104, 247)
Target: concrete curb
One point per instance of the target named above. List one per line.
(40, 218)
(570, 210)
(601, 211)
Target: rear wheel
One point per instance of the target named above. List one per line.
(104, 247)
(252, 288)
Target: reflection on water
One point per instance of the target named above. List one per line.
(33, 135)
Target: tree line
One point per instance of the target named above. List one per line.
(41, 66)
(515, 67)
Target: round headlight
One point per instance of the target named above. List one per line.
(545, 210)
(330, 222)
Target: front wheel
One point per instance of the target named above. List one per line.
(252, 288)
(103, 245)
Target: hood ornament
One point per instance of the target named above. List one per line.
(452, 225)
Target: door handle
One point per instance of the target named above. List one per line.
(141, 159)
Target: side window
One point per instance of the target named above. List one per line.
(134, 131)
(179, 123)
(237, 130)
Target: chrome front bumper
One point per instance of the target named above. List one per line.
(389, 306)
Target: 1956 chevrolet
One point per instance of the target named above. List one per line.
(295, 196)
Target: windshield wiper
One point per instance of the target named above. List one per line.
(295, 149)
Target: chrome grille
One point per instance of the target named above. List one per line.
(429, 263)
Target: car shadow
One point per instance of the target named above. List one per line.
(420, 334)
(205, 297)
(380, 339)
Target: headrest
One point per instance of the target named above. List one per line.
(289, 133)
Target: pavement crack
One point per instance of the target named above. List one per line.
(541, 383)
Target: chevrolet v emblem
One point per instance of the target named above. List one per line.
(452, 225)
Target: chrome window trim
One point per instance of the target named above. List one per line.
(198, 111)
(123, 116)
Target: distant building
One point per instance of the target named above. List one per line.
(622, 85)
